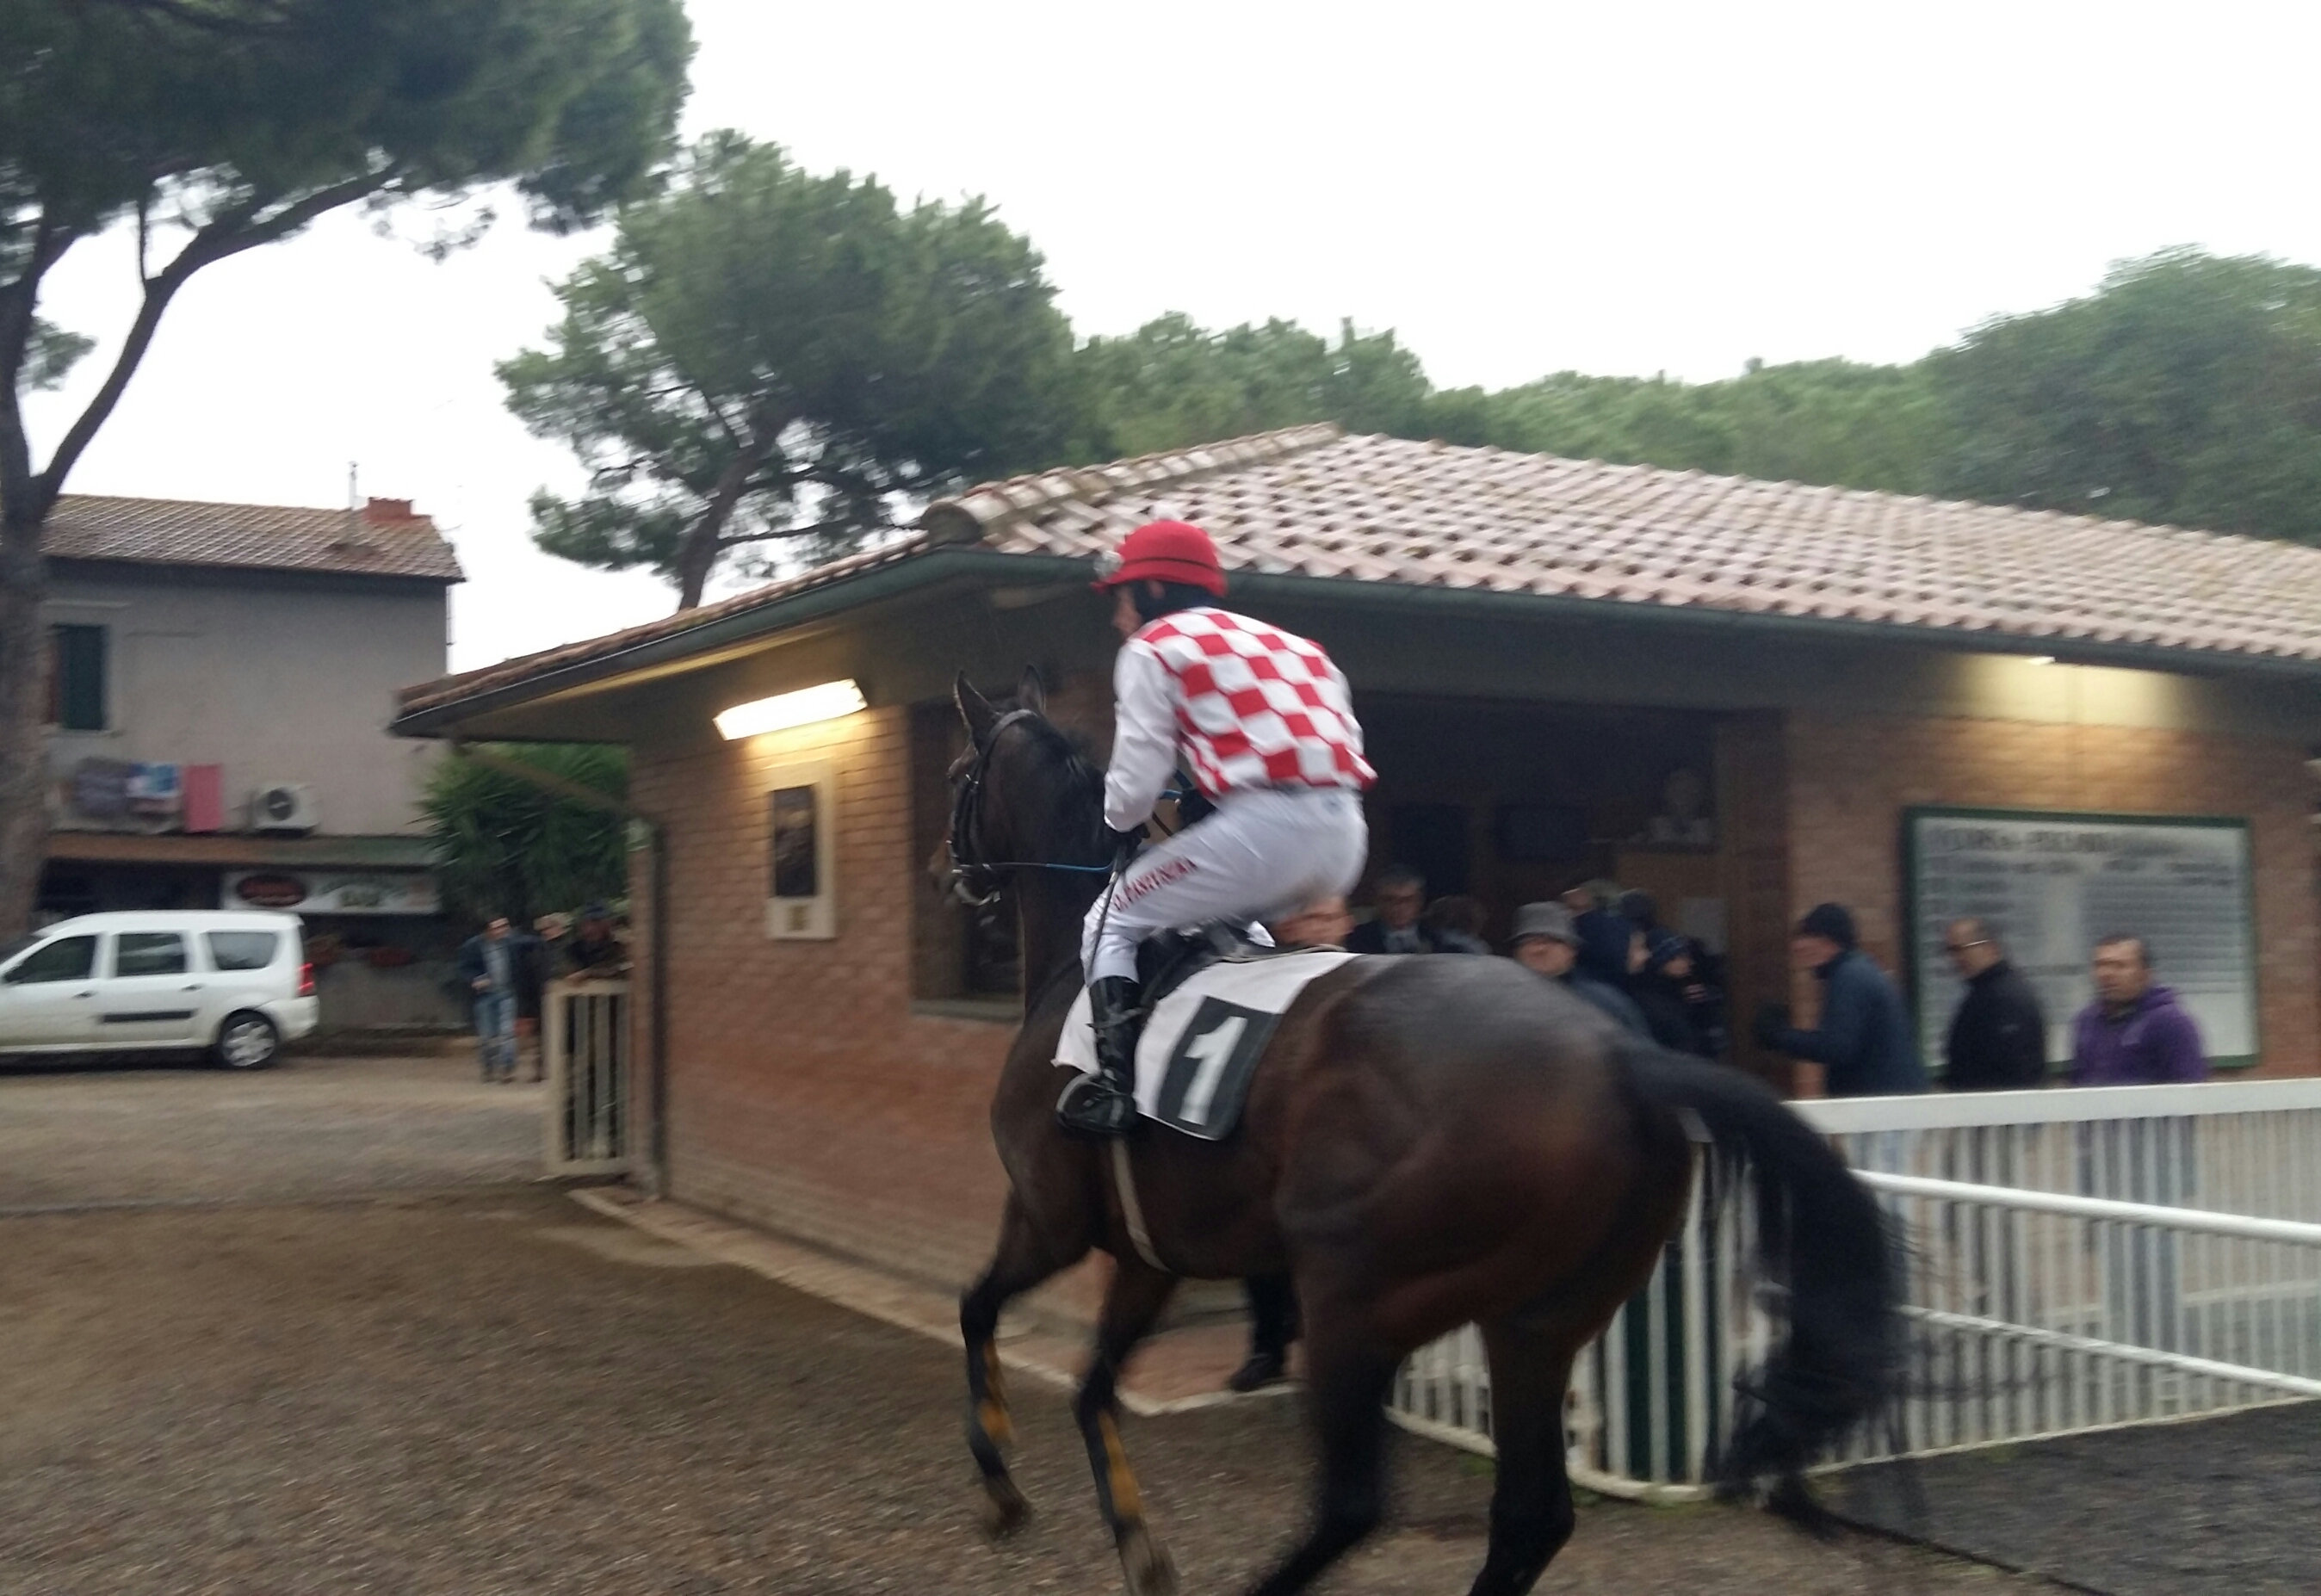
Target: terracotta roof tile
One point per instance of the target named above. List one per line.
(1311, 501)
(386, 539)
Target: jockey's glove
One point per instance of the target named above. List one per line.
(1125, 844)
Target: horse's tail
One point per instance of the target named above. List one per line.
(1818, 1234)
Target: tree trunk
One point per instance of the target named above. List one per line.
(697, 556)
(24, 717)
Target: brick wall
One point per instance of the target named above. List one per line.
(804, 1094)
(1851, 777)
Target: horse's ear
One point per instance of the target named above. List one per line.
(974, 708)
(1029, 694)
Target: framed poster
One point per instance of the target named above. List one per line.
(2050, 885)
(801, 852)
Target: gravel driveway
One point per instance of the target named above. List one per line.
(84, 1136)
(247, 1378)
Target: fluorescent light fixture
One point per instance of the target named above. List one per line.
(2043, 659)
(785, 711)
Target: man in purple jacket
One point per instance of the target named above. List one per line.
(2134, 1034)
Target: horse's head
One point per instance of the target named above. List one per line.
(1022, 796)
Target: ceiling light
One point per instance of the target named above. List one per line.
(785, 711)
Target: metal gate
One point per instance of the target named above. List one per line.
(2079, 1259)
(584, 1037)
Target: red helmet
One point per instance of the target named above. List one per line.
(1167, 551)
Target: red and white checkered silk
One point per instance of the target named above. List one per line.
(1256, 706)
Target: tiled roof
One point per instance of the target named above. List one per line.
(1388, 510)
(1311, 501)
(383, 539)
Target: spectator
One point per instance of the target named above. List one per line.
(593, 949)
(1682, 1010)
(1273, 1303)
(1997, 1039)
(1863, 1042)
(1401, 894)
(2134, 1034)
(1547, 941)
(531, 966)
(1607, 939)
(493, 963)
(1457, 924)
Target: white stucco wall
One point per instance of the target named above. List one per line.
(275, 680)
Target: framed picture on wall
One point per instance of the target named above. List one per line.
(801, 852)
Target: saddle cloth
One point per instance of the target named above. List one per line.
(1204, 1038)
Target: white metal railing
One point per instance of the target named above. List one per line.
(585, 1036)
(2080, 1258)
(2248, 1147)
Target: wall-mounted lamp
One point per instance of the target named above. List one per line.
(2043, 659)
(785, 711)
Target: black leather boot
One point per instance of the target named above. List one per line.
(1105, 1104)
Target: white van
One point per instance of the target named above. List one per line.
(233, 983)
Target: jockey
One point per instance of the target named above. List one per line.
(1264, 720)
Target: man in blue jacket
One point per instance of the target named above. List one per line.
(1864, 1043)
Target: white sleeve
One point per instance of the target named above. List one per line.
(1143, 738)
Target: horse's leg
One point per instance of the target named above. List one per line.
(1023, 1261)
(1137, 1295)
(1347, 1374)
(1532, 1514)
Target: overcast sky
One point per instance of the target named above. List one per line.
(1517, 188)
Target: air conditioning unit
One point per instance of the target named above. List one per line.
(286, 806)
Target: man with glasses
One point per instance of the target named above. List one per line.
(1999, 1037)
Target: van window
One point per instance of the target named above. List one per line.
(69, 958)
(242, 950)
(148, 952)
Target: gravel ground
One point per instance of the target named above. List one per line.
(317, 1330)
(2219, 1507)
(84, 1134)
(498, 1392)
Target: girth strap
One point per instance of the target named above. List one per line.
(1129, 1209)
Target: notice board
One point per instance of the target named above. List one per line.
(2049, 885)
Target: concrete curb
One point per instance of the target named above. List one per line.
(1036, 1352)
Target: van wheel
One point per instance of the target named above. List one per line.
(248, 1041)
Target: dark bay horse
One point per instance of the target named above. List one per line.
(1427, 1142)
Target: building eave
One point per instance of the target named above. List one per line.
(853, 591)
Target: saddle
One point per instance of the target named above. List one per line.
(1166, 962)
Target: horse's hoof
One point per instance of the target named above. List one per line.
(1144, 1561)
(1005, 1508)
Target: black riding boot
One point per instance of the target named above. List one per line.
(1105, 1104)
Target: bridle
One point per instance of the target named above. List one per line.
(977, 882)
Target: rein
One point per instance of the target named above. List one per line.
(975, 882)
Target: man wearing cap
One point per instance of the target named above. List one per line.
(1264, 720)
(1864, 1043)
(1547, 940)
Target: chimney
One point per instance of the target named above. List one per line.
(387, 511)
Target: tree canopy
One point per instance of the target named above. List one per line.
(768, 356)
(2185, 390)
(217, 127)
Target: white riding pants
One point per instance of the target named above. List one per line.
(1263, 854)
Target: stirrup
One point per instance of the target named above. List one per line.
(1095, 1106)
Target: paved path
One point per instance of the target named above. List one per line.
(291, 1362)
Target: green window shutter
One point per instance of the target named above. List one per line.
(76, 683)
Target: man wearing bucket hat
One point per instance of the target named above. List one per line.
(1264, 723)
(1547, 941)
